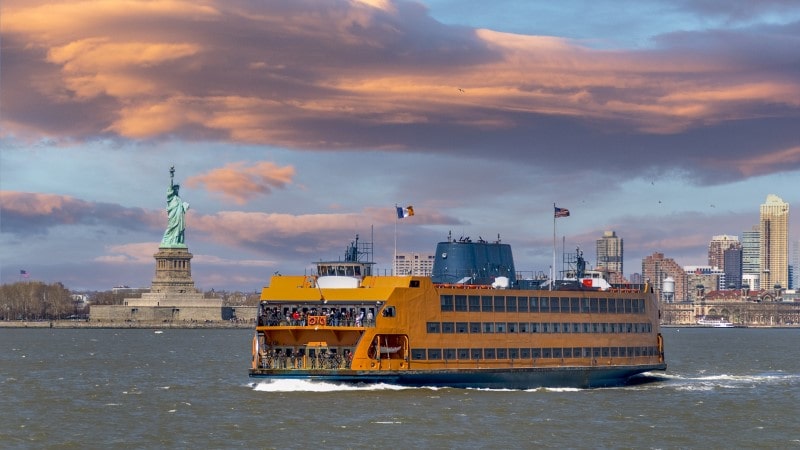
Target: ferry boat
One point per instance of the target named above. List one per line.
(472, 323)
(714, 322)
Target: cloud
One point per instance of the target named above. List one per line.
(132, 253)
(27, 214)
(385, 75)
(243, 181)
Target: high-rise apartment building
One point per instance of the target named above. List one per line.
(751, 262)
(795, 264)
(717, 247)
(733, 268)
(610, 254)
(413, 264)
(774, 250)
(656, 268)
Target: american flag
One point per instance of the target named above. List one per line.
(23, 273)
(561, 212)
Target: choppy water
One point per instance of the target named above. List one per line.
(189, 388)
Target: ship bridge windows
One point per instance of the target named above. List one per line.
(447, 302)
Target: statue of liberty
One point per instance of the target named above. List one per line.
(176, 211)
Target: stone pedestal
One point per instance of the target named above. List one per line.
(173, 271)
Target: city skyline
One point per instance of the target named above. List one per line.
(295, 125)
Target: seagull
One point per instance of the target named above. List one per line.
(460, 90)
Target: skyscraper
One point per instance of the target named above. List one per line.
(751, 245)
(795, 264)
(717, 247)
(656, 268)
(733, 267)
(774, 249)
(610, 254)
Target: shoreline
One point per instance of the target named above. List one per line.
(142, 325)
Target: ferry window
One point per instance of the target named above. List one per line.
(461, 302)
(357, 270)
(606, 352)
(449, 353)
(568, 352)
(502, 353)
(557, 353)
(524, 327)
(585, 302)
(629, 327)
(595, 328)
(474, 327)
(640, 302)
(513, 353)
(499, 304)
(565, 305)
(474, 303)
(574, 305)
(512, 327)
(488, 353)
(486, 304)
(628, 305)
(603, 305)
(448, 327)
(612, 305)
(434, 353)
(544, 304)
(535, 327)
(623, 351)
(500, 327)
(522, 304)
(604, 327)
(536, 353)
(476, 353)
(595, 351)
(534, 304)
(547, 353)
(614, 352)
(461, 327)
(413, 283)
(463, 353)
(593, 306)
(447, 302)
(388, 311)
(576, 327)
(566, 328)
(556, 327)
(524, 353)
(637, 351)
(576, 352)
(488, 327)
(434, 327)
(554, 304)
(545, 327)
(587, 327)
(511, 304)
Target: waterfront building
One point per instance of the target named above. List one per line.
(733, 268)
(656, 268)
(717, 247)
(610, 256)
(414, 264)
(795, 272)
(774, 249)
(751, 262)
(701, 280)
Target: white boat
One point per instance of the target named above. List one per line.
(714, 322)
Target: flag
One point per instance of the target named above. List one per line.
(23, 273)
(402, 213)
(561, 212)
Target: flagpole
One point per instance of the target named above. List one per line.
(396, 218)
(553, 267)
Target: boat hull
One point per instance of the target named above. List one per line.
(515, 378)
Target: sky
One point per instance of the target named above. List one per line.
(295, 125)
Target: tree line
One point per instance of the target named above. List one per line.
(36, 300)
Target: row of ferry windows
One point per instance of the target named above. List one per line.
(529, 353)
(513, 303)
(537, 327)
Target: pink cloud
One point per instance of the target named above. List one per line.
(242, 181)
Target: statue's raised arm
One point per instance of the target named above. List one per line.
(174, 236)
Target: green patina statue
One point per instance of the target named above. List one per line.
(176, 212)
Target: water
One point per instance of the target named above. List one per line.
(189, 388)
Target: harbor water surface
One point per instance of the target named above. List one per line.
(140, 388)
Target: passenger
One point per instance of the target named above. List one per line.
(370, 318)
